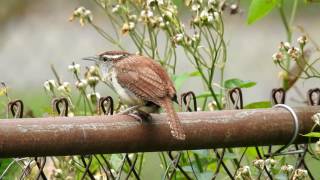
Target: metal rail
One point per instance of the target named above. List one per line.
(54, 136)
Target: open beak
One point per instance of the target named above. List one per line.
(92, 58)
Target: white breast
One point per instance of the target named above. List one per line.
(126, 96)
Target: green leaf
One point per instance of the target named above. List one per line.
(205, 175)
(116, 161)
(179, 80)
(313, 134)
(257, 105)
(232, 83)
(260, 8)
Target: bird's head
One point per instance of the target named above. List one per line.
(108, 57)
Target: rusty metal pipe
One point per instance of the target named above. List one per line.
(120, 133)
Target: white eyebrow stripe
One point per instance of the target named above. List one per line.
(113, 56)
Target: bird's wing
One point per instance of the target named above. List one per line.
(145, 78)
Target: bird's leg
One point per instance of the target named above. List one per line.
(129, 110)
(137, 114)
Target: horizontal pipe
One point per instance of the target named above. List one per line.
(53, 136)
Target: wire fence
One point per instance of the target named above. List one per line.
(217, 163)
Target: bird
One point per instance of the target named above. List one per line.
(140, 82)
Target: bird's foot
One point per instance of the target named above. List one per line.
(129, 110)
(141, 116)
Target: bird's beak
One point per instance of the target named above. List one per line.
(92, 58)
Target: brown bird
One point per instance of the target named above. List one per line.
(140, 81)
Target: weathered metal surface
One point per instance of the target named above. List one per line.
(121, 133)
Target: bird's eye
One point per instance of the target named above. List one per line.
(105, 59)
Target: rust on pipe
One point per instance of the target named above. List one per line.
(54, 136)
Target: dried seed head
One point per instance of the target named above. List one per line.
(75, 68)
(288, 169)
(259, 164)
(300, 174)
(277, 57)
(65, 88)
(82, 84)
(49, 85)
(294, 53)
(316, 118)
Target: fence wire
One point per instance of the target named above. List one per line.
(228, 163)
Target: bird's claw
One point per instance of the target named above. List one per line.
(141, 116)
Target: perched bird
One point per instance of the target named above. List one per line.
(140, 81)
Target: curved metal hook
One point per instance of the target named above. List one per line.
(311, 100)
(56, 106)
(186, 99)
(236, 98)
(106, 105)
(16, 107)
(278, 96)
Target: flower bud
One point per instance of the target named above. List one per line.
(300, 174)
(115, 8)
(65, 88)
(75, 68)
(288, 169)
(302, 40)
(277, 57)
(82, 84)
(316, 118)
(49, 85)
(259, 164)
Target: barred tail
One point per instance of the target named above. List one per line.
(173, 119)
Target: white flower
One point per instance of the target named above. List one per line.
(65, 87)
(270, 163)
(82, 84)
(300, 174)
(146, 13)
(259, 163)
(195, 7)
(49, 85)
(115, 8)
(302, 40)
(178, 37)
(75, 68)
(277, 56)
(87, 13)
(133, 17)
(288, 169)
(287, 45)
(294, 52)
(210, 17)
(57, 172)
(79, 11)
(154, 2)
(127, 27)
(316, 118)
(195, 37)
(83, 14)
(244, 173)
(204, 14)
(93, 80)
(131, 156)
(216, 15)
(212, 2)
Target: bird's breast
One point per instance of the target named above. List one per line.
(126, 96)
